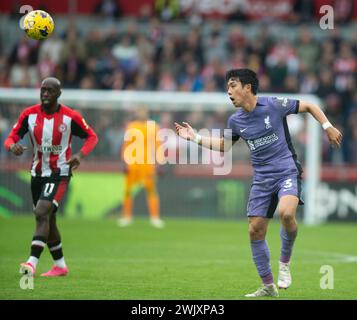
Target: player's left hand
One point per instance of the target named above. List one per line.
(334, 136)
(74, 161)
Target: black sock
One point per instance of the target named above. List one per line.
(37, 246)
(55, 249)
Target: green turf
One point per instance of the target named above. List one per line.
(189, 259)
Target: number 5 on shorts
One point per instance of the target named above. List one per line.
(288, 184)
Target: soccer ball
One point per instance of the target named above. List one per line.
(38, 25)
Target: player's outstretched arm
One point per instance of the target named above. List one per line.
(334, 135)
(188, 133)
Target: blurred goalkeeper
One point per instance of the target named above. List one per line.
(140, 152)
(261, 123)
(50, 126)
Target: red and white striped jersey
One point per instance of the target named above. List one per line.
(51, 137)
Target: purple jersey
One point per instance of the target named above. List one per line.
(266, 133)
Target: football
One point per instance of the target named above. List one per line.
(38, 25)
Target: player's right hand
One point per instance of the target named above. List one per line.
(185, 131)
(334, 136)
(17, 149)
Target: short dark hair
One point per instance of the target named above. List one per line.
(245, 76)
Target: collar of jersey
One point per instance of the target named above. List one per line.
(50, 115)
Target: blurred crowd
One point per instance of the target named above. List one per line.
(194, 61)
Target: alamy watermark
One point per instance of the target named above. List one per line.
(327, 280)
(163, 146)
(25, 9)
(327, 20)
(27, 282)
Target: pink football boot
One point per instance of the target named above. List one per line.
(27, 268)
(56, 272)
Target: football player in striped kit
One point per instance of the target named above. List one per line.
(51, 126)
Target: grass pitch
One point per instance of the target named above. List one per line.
(189, 259)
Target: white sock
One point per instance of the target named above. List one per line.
(60, 263)
(33, 261)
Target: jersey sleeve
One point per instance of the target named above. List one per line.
(286, 106)
(81, 129)
(230, 133)
(18, 131)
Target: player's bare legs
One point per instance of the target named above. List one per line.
(257, 231)
(54, 234)
(42, 214)
(127, 216)
(288, 232)
(54, 244)
(153, 203)
(287, 212)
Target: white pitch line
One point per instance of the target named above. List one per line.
(346, 258)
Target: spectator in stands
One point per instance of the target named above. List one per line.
(240, 11)
(46, 67)
(127, 54)
(167, 10)
(291, 84)
(4, 70)
(326, 83)
(309, 83)
(167, 82)
(103, 67)
(52, 48)
(303, 11)
(215, 70)
(194, 45)
(22, 74)
(190, 79)
(73, 68)
(88, 82)
(307, 49)
(216, 44)
(25, 49)
(343, 10)
(345, 67)
(108, 9)
(264, 83)
(94, 43)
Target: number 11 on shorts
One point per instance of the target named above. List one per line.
(48, 189)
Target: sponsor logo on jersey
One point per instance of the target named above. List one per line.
(254, 144)
(50, 149)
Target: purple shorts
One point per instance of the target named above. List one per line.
(266, 192)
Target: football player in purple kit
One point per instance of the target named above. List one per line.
(261, 123)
